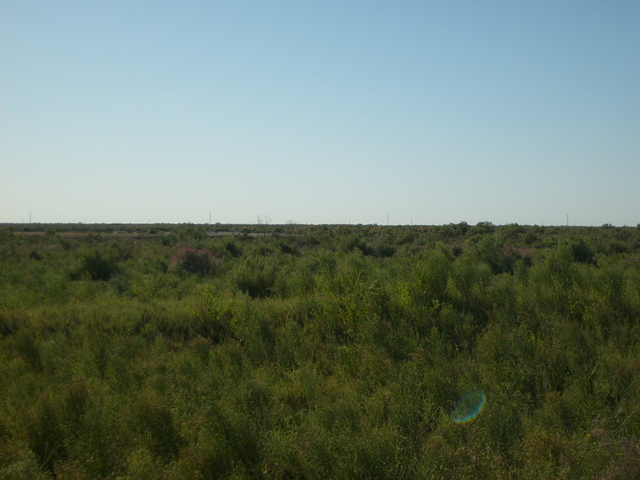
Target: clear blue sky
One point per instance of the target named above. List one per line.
(321, 112)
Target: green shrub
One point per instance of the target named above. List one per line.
(28, 348)
(45, 435)
(156, 424)
(256, 277)
(97, 266)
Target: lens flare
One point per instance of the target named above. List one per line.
(469, 407)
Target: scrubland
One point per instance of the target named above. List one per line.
(318, 352)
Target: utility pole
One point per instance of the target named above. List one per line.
(567, 219)
(387, 219)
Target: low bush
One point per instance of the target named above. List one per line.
(195, 261)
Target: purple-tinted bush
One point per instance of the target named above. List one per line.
(194, 260)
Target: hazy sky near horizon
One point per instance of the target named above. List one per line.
(320, 112)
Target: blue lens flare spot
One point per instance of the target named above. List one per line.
(469, 407)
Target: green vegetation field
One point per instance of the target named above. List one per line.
(318, 352)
